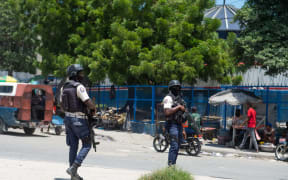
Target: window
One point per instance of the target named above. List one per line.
(6, 89)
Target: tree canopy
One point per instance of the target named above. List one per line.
(264, 38)
(132, 41)
(18, 41)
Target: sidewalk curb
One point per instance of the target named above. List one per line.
(238, 153)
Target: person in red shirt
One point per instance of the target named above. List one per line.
(251, 119)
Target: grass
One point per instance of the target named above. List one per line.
(169, 173)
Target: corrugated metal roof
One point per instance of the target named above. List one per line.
(226, 14)
(256, 77)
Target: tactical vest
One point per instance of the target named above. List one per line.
(70, 101)
(175, 118)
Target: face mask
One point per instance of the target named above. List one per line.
(80, 77)
(175, 90)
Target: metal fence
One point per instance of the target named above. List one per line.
(144, 101)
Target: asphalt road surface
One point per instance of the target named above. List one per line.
(135, 152)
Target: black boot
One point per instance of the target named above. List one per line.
(76, 177)
(73, 172)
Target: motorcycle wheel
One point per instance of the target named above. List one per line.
(194, 147)
(160, 144)
(280, 152)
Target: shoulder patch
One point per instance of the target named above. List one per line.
(82, 89)
(165, 100)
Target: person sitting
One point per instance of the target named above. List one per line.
(237, 119)
(192, 125)
(37, 105)
(235, 130)
(269, 134)
(197, 119)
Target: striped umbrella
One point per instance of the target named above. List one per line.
(8, 79)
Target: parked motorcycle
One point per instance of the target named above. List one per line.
(161, 143)
(281, 151)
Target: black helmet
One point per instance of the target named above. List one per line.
(173, 83)
(73, 69)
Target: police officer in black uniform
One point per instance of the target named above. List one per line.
(75, 102)
(174, 109)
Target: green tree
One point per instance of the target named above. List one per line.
(168, 40)
(264, 38)
(18, 41)
(133, 41)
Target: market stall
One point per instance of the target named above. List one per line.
(234, 97)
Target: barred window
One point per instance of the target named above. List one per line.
(6, 89)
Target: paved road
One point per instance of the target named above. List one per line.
(122, 150)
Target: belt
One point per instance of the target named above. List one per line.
(76, 115)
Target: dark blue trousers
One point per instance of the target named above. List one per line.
(175, 134)
(77, 129)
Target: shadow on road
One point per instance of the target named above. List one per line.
(53, 133)
(217, 145)
(61, 179)
(185, 154)
(18, 134)
(104, 137)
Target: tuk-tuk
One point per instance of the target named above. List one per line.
(25, 106)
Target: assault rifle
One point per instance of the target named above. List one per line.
(180, 116)
(93, 122)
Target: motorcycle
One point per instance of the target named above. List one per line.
(162, 141)
(281, 151)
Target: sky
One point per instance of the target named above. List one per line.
(236, 3)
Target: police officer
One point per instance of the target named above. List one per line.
(75, 102)
(173, 111)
